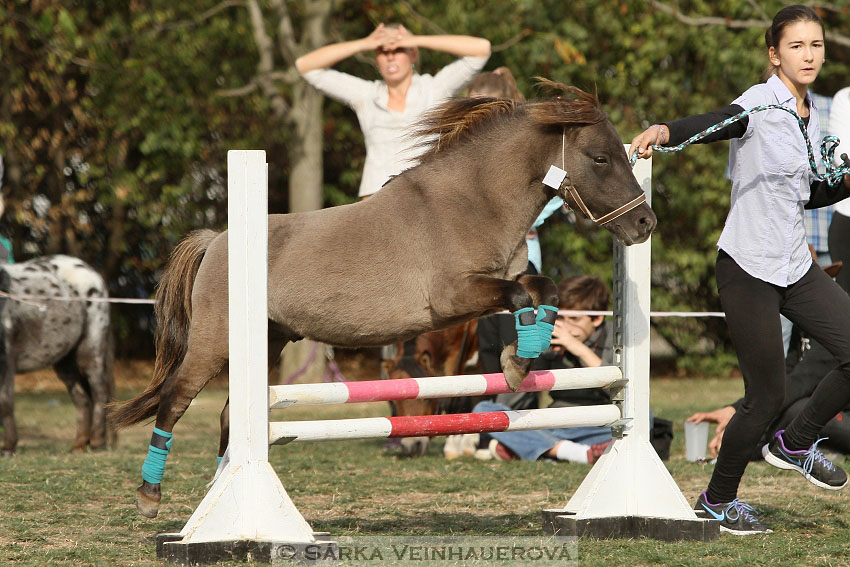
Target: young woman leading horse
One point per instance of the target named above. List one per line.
(440, 244)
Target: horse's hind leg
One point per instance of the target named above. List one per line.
(80, 392)
(224, 420)
(93, 359)
(274, 349)
(200, 365)
(89, 365)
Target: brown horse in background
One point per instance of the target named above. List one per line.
(438, 245)
(448, 352)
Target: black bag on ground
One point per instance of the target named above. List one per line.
(661, 437)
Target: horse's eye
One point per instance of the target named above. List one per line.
(600, 160)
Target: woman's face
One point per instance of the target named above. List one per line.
(800, 53)
(395, 65)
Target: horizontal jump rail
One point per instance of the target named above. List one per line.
(440, 387)
(283, 432)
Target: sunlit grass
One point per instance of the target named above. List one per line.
(62, 509)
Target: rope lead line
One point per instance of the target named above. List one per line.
(833, 175)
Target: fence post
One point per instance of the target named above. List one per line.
(629, 492)
(247, 509)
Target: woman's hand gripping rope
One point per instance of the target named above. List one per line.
(834, 173)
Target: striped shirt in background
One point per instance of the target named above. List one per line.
(817, 220)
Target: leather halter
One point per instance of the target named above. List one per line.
(566, 190)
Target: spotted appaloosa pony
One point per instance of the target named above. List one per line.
(438, 245)
(71, 336)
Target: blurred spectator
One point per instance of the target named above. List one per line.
(818, 220)
(839, 229)
(808, 365)
(579, 341)
(386, 108)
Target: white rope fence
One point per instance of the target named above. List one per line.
(34, 298)
(137, 301)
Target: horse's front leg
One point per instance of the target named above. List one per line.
(483, 293)
(544, 294)
(518, 357)
(7, 408)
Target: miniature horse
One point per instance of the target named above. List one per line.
(438, 245)
(72, 335)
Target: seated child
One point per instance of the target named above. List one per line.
(579, 341)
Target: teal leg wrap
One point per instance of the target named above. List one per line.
(218, 460)
(154, 466)
(546, 315)
(528, 341)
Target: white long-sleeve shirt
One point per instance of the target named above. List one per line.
(771, 178)
(389, 150)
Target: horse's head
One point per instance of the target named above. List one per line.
(413, 363)
(599, 181)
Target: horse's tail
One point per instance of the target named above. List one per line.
(173, 311)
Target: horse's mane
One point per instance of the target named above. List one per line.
(460, 118)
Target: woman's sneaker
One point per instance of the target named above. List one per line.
(736, 517)
(810, 463)
(500, 452)
(596, 451)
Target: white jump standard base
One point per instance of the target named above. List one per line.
(629, 493)
(246, 514)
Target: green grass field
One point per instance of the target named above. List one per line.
(62, 509)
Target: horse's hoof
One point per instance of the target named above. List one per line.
(515, 368)
(8, 453)
(147, 499)
(415, 446)
(514, 375)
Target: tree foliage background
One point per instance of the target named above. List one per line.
(115, 120)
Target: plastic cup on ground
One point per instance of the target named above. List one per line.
(696, 440)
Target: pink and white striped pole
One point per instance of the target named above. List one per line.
(440, 387)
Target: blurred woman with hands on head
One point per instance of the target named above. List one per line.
(386, 108)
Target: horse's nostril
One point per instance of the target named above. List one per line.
(647, 224)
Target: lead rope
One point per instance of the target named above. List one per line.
(834, 173)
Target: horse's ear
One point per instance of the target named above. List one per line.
(387, 366)
(426, 361)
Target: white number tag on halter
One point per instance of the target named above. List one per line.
(554, 177)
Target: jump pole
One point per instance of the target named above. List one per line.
(441, 387)
(246, 513)
(629, 492)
